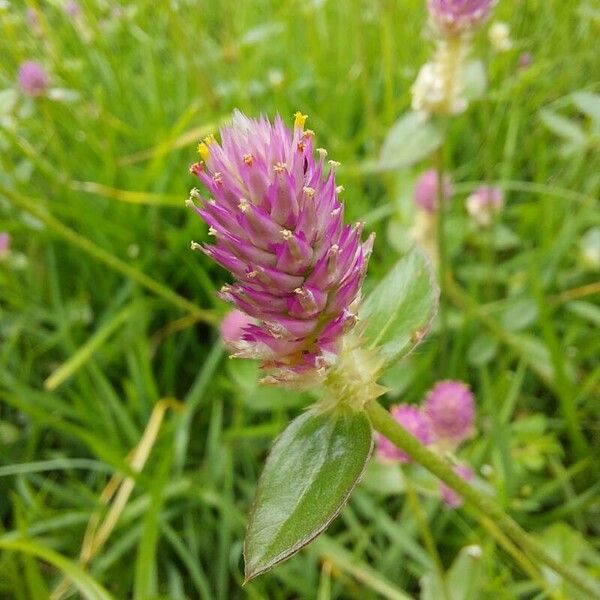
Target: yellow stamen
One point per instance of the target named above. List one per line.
(203, 151)
(299, 120)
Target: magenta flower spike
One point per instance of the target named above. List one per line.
(425, 193)
(456, 17)
(450, 410)
(33, 79)
(278, 227)
(451, 498)
(415, 422)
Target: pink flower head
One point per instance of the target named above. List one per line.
(232, 327)
(425, 194)
(33, 79)
(451, 498)
(32, 18)
(525, 61)
(484, 203)
(278, 227)
(455, 17)
(413, 420)
(72, 8)
(450, 410)
(4, 244)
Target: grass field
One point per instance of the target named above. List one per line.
(108, 322)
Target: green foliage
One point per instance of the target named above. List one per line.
(106, 156)
(411, 139)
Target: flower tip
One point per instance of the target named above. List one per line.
(299, 120)
(196, 246)
(203, 151)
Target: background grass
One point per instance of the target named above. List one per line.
(105, 311)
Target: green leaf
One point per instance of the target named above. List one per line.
(8, 99)
(482, 350)
(588, 104)
(563, 127)
(410, 139)
(474, 80)
(465, 577)
(308, 477)
(87, 586)
(399, 311)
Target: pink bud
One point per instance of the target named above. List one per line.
(4, 244)
(450, 410)
(33, 79)
(425, 193)
(525, 61)
(484, 203)
(455, 17)
(413, 420)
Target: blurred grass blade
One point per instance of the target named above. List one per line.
(60, 229)
(185, 139)
(77, 360)
(120, 489)
(128, 196)
(330, 550)
(90, 589)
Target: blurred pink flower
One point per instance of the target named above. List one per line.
(72, 8)
(413, 420)
(525, 60)
(484, 203)
(4, 244)
(450, 410)
(456, 17)
(451, 498)
(426, 190)
(33, 79)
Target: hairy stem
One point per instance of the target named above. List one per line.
(384, 423)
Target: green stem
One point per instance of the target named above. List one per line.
(384, 423)
(441, 247)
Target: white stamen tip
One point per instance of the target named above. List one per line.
(195, 246)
